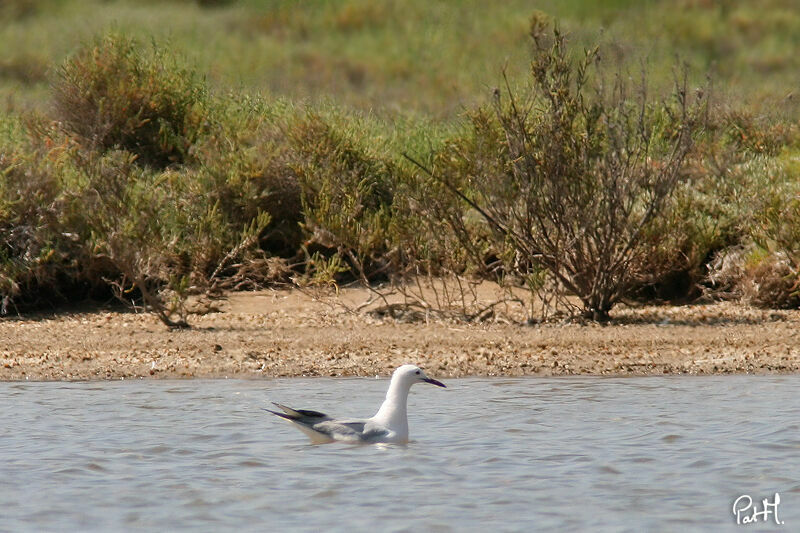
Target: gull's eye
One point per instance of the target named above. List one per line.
(417, 372)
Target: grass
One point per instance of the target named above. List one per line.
(412, 57)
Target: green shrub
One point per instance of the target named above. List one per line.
(709, 212)
(41, 253)
(347, 193)
(162, 231)
(777, 230)
(245, 162)
(26, 224)
(74, 219)
(452, 237)
(730, 179)
(573, 175)
(115, 94)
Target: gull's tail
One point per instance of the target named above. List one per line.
(303, 416)
(305, 421)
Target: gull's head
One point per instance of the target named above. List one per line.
(411, 374)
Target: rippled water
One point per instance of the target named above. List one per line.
(655, 454)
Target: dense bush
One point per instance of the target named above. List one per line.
(33, 246)
(115, 94)
(143, 184)
(246, 164)
(196, 202)
(107, 191)
(777, 232)
(347, 193)
(162, 232)
(572, 174)
(714, 213)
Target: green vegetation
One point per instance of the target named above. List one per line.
(153, 150)
(582, 172)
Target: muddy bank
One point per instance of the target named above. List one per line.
(287, 333)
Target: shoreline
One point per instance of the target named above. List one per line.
(287, 333)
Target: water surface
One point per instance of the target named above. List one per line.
(627, 454)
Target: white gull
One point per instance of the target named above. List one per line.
(390, 423)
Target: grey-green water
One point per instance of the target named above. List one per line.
(571, 454)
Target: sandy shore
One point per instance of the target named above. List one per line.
(287, 333)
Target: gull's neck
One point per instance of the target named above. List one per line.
(393, 413)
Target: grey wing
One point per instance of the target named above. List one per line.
(351, 430)
(373, 433)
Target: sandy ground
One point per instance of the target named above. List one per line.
(287, 333)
